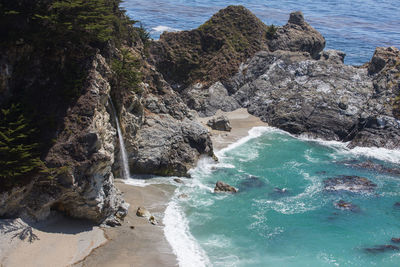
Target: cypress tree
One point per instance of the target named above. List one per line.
(18, 155)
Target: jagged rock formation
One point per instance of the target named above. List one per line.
(240, 35)
(321, 98)
(166, 140)
(294, 85)
(83, 156)
(220, 123)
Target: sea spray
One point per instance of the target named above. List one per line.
(124, 157)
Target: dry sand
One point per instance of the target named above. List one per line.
(66, 242)
(145, 245)
(61, 242)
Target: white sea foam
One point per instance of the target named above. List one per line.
(162, 28)
(145, 182)
(253, 133)
(341, 148)
(188, 251)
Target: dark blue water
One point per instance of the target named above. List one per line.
(355, 27)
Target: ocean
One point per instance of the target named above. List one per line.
(355, 27)
(282, 216)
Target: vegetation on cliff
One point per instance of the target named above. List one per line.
(212, 52)
(47, 46)
(18, 154)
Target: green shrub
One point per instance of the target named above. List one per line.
(127, 76)
(271, 31)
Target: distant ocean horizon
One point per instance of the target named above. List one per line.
(355, 27)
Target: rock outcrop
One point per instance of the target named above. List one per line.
(297, 35)
(343, 205)
(353, 184)
(321, 98)
(221, 187)
(220, 123)
(82, 157)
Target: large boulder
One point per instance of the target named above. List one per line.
(169, 147)
(297, 35)
(221, 187)
(220, 123)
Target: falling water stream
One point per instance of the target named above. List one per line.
(124, 157)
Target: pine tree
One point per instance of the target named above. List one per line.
(18, 155)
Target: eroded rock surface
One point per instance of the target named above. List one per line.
(353, 184)
(83, 156)
(221, 187)
(220, 123)
(321, 98)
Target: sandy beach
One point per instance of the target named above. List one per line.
(60, 241)
(241, 122)
(67, 242)
(144, 244)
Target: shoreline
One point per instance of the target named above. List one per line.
(241, 122)
(66, 242)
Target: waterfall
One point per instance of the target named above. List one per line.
(124, 157)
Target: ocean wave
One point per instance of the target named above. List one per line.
(254, 132)
(140, 182)
(162, 28)
(176, 230)
(341, 148)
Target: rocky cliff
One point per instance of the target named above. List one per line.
(280, 74)
(66, 93)
(293, 84)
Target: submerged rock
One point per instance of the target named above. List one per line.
(221, 123)
(280, 190)
(354, 184)
(370, 165)
(347, 206)
(223, 187)
(395, 240)
(382, 248)
(179, 181)
(278, 193)
(251, 182)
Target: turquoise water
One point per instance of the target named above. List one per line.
(301, 227)
(355, 27)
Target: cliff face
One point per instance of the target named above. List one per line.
(233, 60)
(293, 85)
(82, 157)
